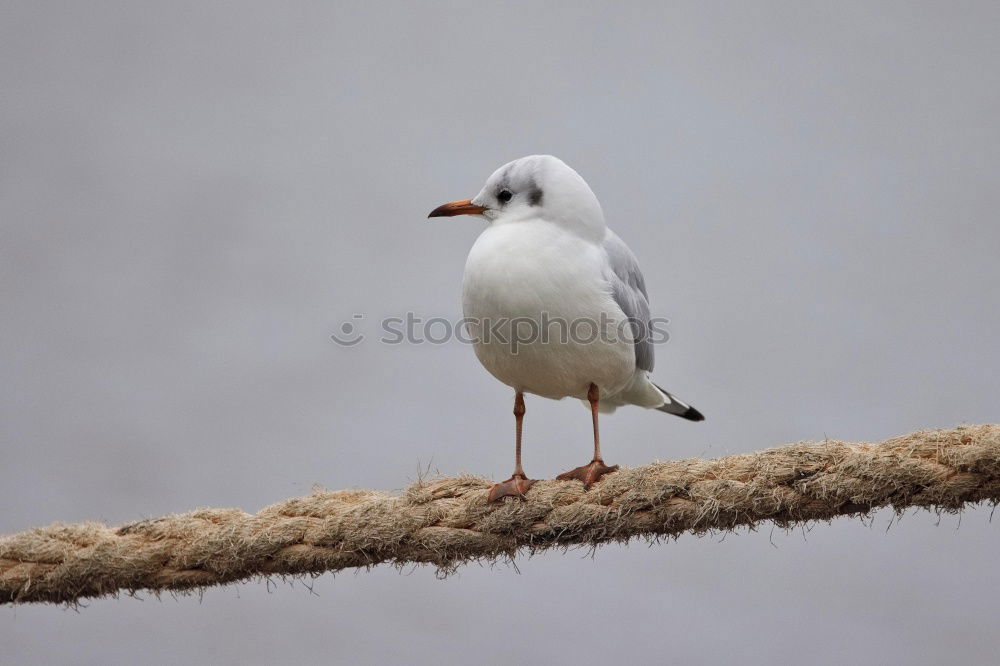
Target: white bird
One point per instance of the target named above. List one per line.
(555, 302)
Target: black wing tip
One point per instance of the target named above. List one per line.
(672, 405)
(692, 414)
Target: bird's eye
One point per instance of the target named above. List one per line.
(505, 195)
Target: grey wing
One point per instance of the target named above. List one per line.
(628, 288)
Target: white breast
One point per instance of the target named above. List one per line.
(523, 277)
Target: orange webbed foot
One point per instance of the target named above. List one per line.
(515, 486)
(589, 474)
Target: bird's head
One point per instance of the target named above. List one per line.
(533, 188)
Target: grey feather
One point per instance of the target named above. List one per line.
(628, 288)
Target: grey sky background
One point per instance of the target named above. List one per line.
(194, 196)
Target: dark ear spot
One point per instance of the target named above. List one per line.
(535, 196)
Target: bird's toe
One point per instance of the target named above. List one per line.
(589, 474)
(515, 486)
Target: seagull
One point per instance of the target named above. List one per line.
(555, 303)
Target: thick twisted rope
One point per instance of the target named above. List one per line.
(448, 521)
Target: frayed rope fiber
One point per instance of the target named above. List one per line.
(447, 522)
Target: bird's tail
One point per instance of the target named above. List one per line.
(672, 405)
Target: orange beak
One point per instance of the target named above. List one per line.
(465, 207)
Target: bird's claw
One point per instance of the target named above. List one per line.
(589, 474)
(515, 486)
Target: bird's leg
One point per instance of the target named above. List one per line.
(594, 396)
(592, 472)
(518, 483)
